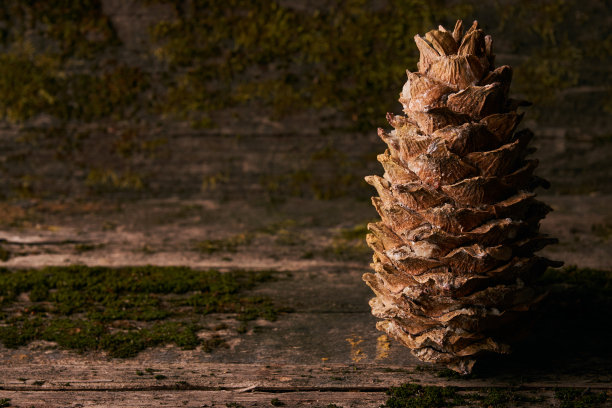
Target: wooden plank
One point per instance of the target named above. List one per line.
(328, 347)
(571, 221)
(331, 344)
(104, 399)
(539, 398)
(117, 376)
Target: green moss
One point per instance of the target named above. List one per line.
(417, 396)
(5, 254)
(497, 398)
(349, 244)
(332, 61)
(212, 181)
(350, 57)
(451, 374)
(259, 307)
(585, 284)
(288, 237)
(312, 59)
(111, 94)
(580, 398)
(216, 342)
(548, 71)
(230, 244)
(77, 334)
(551, 34)
(37, 85)
(43, 44)
(126, 310)
(347, 251)
(414, 395)
(359, 231)
(132, 142)
(104, 180)
(45, 88)
(285, 232)
(5, 402)
(276, 402)
(327, 173)
(271, 58)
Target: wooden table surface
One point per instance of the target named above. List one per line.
(327, 351)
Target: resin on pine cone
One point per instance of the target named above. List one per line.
(454, 251)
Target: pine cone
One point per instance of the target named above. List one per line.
(454, 253)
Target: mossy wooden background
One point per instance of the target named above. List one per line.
(108, 97)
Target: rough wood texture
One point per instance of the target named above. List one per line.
(216, 385)
(188, 398)
(328, 351)
(131, 376)
(454, 255)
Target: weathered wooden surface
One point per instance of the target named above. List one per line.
(130, 376)
(164, 232)
(198, 399)
(129, 384)
(328, 351)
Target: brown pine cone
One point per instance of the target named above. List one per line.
(454, 252)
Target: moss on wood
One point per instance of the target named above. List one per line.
(124, 310)
(417, 396)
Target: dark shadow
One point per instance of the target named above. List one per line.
(571, 334)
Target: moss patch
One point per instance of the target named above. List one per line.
(123, 310)
(62, 62)
(414, 395)
(5, 254)
(552, 36)
(230, 244)
(349, 56)
(579, 398)
(290, 59)
(349, 244)
(417, 396)
(594, 279)
(326, 173)
(586, 288)
(45, 87)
